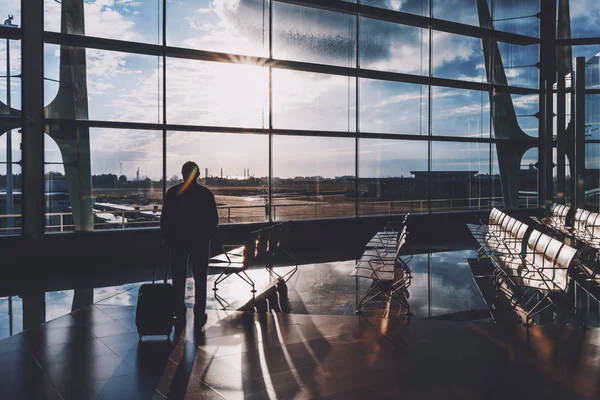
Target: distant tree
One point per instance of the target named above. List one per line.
(122, 179)
(105, 179)
(174, 180)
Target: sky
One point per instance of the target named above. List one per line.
(128, 87)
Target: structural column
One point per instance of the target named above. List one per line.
(579, 176)
(547, 80)
(32, 70)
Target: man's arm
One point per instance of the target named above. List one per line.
(215, 214)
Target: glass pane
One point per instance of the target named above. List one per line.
(13, 139)
(109, 178)
(519, 64)
(592, 73)
(119, 86)
(592, 176)
(10, 199)
(393, 107)
(313, 35)
(11, 50)
(460, 112)
(526, 177)
(526, 109)
(587, 51)
(217, 94)
(419, 7)
(11, 8)
(234, 166)
(238, 27)
(592, 116)
(463, 11)
(392, 177)
(517, 16)
(529, 179)
(584, 15)
(457, 57)
(387, 46)
(136, 21)
(312, 101)
(313, 184)
(460, 176)
(496, 183)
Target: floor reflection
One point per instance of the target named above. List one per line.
(442, 288)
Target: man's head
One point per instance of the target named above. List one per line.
(190, 170)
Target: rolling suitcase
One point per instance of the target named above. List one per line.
(155, 306)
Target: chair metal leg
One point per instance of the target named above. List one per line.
(248, 280)
(220, 279)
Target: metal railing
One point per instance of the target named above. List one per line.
(62, 221)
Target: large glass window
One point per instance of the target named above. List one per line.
(306, 100)
(313, 177)
(104, 178)
(234, 166)
(526, 109)
(419, 7)
(520, 64)
(11, 198)
(460, 176)
(342, 88)
(584, 17)
(457, 57)
(10, 57)
(463, 11)
(393, 177)
(217, 94)
(521, 16)
(313, 35)
(387, 46)
(237, 27)
(136, 21)
(460, 112)
(393, 107)
(102, 85)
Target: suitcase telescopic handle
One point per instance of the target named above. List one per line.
(166, 272)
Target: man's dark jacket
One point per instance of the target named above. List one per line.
(189, 217)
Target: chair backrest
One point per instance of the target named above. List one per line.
(563, 261)
(517, 233)
(401, 243)
(532, 242)
(262, 243)
(274, 239)
(250, 249)
(578, 223)
(508, 227)
(558, 214)
(521, 230)
(592, 221)
(547, 249)
(582, 222)
(494, 214)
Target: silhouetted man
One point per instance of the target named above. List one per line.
(188, 221)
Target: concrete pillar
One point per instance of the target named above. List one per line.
(579, 176)
(32, 55)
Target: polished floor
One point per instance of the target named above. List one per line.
(94, 353)
(442, 287)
